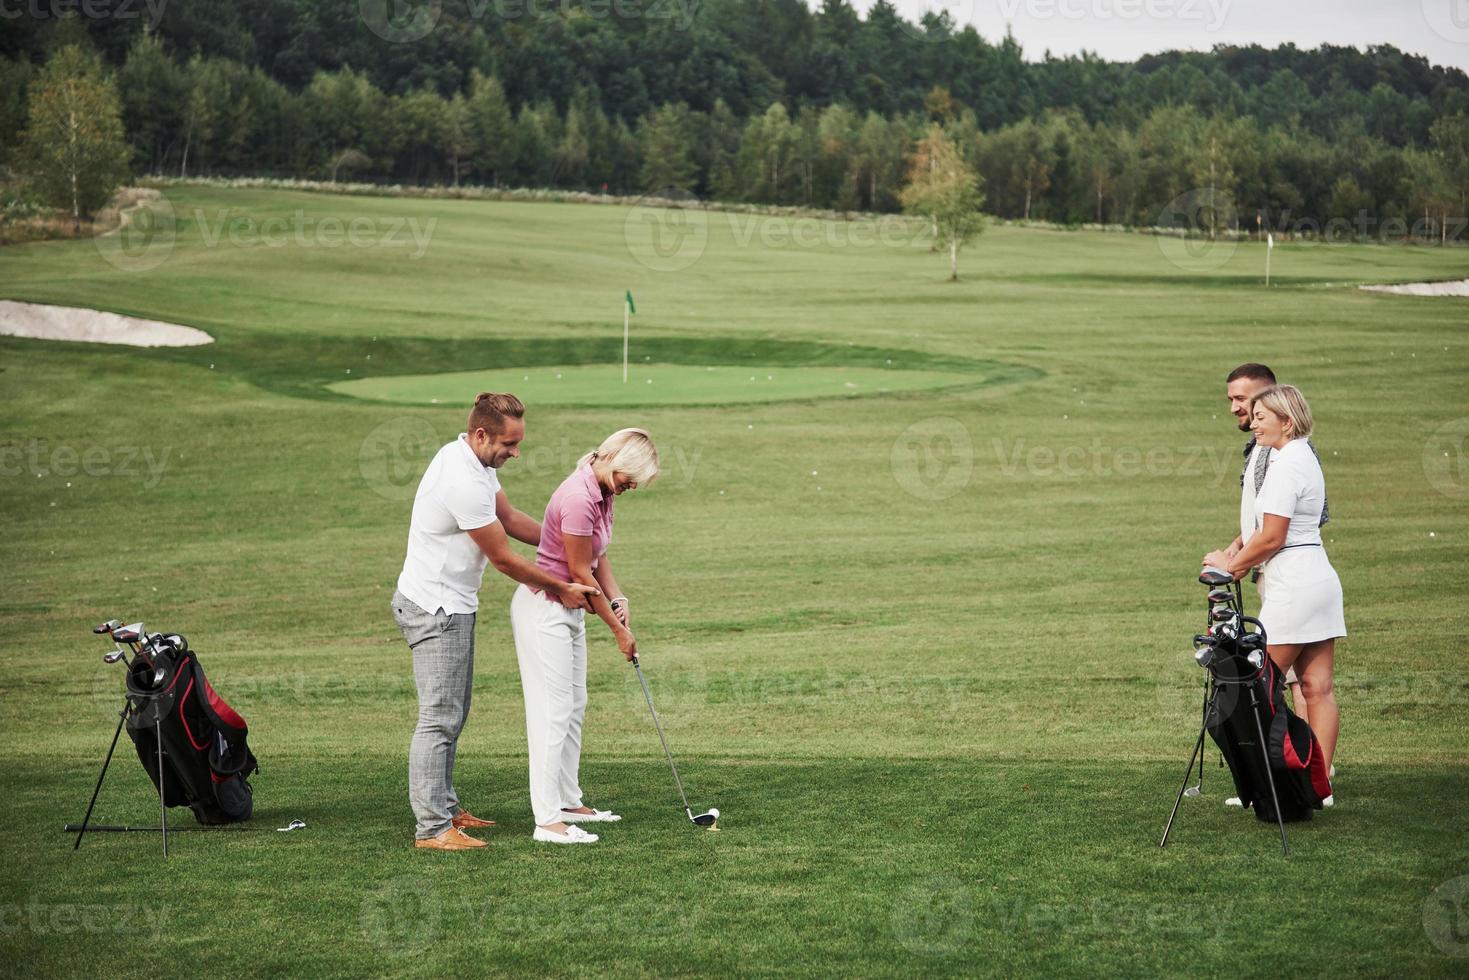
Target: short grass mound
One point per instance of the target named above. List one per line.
(650, 384)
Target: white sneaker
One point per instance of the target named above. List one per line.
(573, 835)
(1329, 801)
(596, 816)
(1234, 801)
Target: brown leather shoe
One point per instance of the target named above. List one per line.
(452, 839)
(464, 819)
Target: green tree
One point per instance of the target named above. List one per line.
(343, 111)
(667, 152)
(153, 92)
(882, 145)
(73, 144)
(1451, 148)
(456, 135)
(946, 190)
(417, 121)
(492, 125)
(767, 166)
(14, 78)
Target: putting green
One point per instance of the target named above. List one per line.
(650, 384)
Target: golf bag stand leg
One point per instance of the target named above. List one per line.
(162, 804)
(122, 717)
(1269, 773)
(1198, 747)
(1204, 724)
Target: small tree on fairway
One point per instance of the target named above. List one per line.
(944, 189)
(73, 144)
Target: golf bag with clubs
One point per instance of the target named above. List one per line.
(205, 752)
(1273, 755)
(1297, 767)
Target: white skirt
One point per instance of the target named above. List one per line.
(1300, 597)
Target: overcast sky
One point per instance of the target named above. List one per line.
(1120, 30)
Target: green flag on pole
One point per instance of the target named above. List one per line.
(627, 312)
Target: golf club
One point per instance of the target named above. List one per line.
(710, 818)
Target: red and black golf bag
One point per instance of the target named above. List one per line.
(1296, 760)
(205, 753)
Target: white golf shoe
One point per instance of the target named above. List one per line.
(573, 835)
(1234, 801)
(596, 816)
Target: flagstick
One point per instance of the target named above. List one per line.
(626, 313)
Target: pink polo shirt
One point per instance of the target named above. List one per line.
(579, 506)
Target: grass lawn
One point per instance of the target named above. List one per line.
(927, 649)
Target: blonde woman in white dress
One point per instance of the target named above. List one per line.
(1300, 593)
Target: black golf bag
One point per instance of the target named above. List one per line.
(1296, 761)
(205, 751)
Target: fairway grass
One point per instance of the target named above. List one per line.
(648, 384)
(927, 650)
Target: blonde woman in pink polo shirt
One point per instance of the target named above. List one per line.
(551, 639)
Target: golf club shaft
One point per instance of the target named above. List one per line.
(648, 696)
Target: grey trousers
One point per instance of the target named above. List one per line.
(443, 670)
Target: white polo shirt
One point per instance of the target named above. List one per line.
(444, 566)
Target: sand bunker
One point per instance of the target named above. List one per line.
(1457, 287)
(93, 327)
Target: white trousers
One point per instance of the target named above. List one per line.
(551, 645)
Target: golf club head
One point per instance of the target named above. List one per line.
(114, 656)
(1191, 791)
(128, 634)
(107, 627)
(1214, 577)
(1221, 595)
(707, 819)
(1221, 614)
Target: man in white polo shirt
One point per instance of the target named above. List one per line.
(461, 521)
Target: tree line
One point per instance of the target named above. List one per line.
(768, 101)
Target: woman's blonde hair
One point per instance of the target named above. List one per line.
(629, 450)
(1287, 402)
